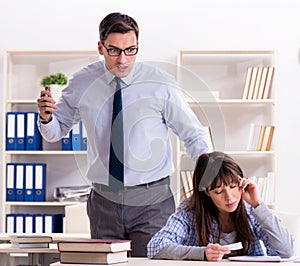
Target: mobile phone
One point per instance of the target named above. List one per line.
(47, 88)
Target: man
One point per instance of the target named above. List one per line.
(129, 151)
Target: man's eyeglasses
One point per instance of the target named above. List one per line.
(115, 51)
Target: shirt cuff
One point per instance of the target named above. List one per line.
(44, 121)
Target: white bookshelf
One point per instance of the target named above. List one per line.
(22, 72)
(223, 73)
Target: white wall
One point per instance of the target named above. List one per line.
(168, 26)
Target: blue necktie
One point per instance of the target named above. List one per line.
(116, 159)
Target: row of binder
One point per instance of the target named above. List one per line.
(34, 223)
(22, 131)
(76, 139)
(25, 181)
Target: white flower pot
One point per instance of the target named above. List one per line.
(56, 91)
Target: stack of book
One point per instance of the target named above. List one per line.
(258, 83)
(94, 251)
(30, 241)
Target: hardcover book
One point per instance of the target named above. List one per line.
(94, 245)
(93, 257)
(30, 239)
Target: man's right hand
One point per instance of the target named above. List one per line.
(46, 104)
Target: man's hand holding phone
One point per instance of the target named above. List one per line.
(46, 104)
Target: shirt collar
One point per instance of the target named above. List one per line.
(126, 80)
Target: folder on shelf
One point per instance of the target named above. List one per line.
(19, 182)
(10, 226)
(83, 137)
(28, 223)
(63, 223)
(66, 142)
(76, 137)
(53, 223)
(20, 130)
(39, 223)
(39, 182)
(29, 178)
(33, 135)
(19, 223)
(10, 182)
(10, 131)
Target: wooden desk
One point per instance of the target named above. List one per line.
(148, 262)
(35, 255)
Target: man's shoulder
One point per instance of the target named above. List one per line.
(153, 71)
(96, 67)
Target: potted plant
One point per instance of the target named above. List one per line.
(57, 78)
(55, 83)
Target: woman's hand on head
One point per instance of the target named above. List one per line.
(250, 192)
(215, 252)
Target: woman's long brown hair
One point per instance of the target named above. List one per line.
(211, 169)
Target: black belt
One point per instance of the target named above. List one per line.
(160, 182)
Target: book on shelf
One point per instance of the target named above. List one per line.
(94, 245)
(185, 187)
(268, 83)
(257, 82)
(262, 184)
(252, 83)
(23, 238)
(261, 137)
(30, 241)
(29, 245)
(270, 194)
(265, 186)
(210, 138)
(94, 257)
(253, 136)
(267, 138)
(187, 183)
(247, 83)
(262, 83)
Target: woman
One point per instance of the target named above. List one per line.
(224, 208)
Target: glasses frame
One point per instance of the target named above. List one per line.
(120, 50)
